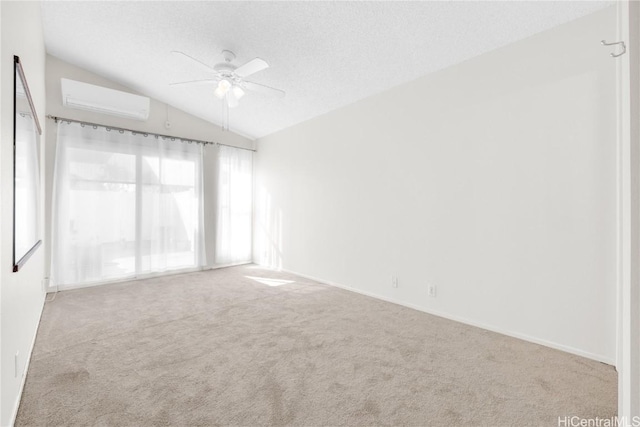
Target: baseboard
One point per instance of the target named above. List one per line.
(55, 288)
(513, 334)
(16, 406)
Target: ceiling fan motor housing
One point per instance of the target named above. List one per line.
(226, 69)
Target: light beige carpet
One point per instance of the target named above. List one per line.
(220, 348)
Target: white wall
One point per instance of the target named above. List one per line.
(493, 180)
(21, 293)
(182, 124)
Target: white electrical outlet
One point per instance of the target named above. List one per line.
(394, 282)
(432, 291)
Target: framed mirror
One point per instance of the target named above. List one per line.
(26, 171)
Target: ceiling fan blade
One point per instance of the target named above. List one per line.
(253, 66)
(202, 64)
(256, 87)
(232, 100)
(203, 81)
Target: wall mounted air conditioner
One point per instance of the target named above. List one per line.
(98, 99)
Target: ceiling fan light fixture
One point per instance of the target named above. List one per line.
(223, 88)
(219, 93)
(238, 91)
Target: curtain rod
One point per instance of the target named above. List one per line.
(197, 141)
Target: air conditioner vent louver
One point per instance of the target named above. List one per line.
(98, 99)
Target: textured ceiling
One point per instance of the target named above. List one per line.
(323, 54)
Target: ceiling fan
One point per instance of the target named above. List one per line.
(230, 79)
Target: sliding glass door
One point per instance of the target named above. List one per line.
(124, 204)
(169, 220)
(96, 239)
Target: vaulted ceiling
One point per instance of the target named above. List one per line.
(323, 54)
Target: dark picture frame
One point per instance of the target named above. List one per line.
(26, 171)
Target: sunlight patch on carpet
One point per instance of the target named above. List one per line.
(270, 282)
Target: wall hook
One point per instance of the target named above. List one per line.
(614, 55)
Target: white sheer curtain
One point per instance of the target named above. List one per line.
(235, 201)
(124, 204)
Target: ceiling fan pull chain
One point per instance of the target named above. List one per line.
(225, 114)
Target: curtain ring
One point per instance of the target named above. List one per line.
(173, 139)
(121, 131)
(81, 125)
(145, 134)
(108, 129)
(95, 127)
